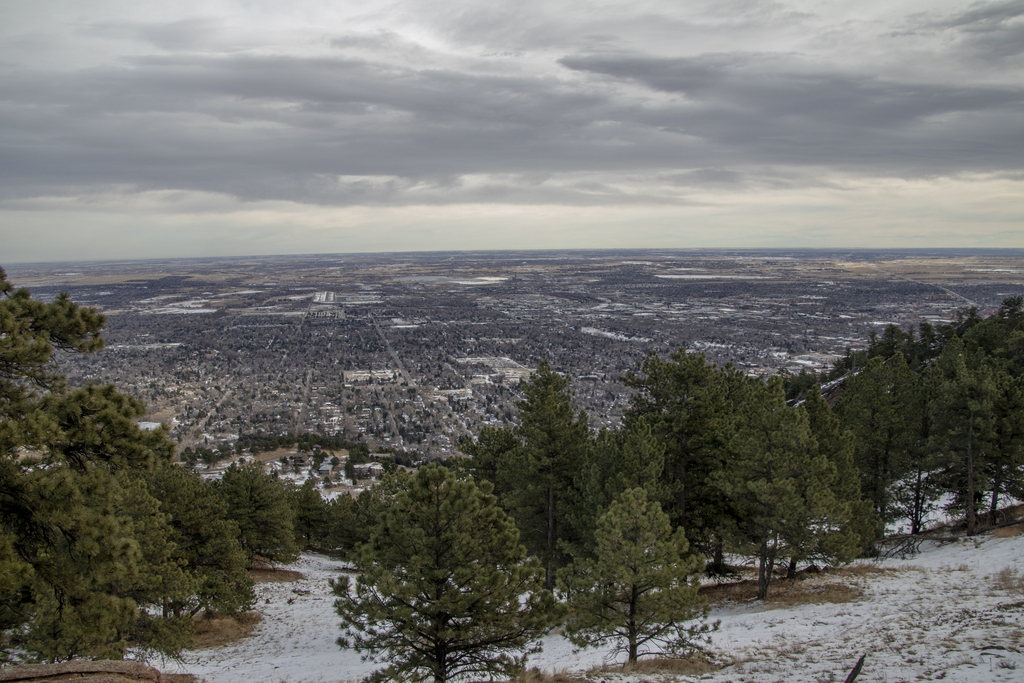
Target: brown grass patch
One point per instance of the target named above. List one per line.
(694, 665)
(1010, 581)
(272, 456)
(1011, 512)
(1009, 531)
(844, 584)
(270, 575)
(217, 630)
(537, 676)
(864, 569)
(783, 592)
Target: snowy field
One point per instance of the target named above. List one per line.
(954, 613)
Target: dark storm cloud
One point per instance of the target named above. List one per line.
(313, 129)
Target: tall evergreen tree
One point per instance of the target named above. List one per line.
(554, 445)
(876, 408)
(914, 495)
(849, 517)
(619, 460)
(259, 506)
(1004, 466)
(310, 514)
(490, 455)
(640, 590)
(69, 555)
(445, 589)
(207, 545)
(689, 405)
(779, 482)
(964, 419)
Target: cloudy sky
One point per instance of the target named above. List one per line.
(155, 128)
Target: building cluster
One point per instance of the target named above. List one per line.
(411, 353)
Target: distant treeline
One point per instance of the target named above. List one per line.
(304, 443)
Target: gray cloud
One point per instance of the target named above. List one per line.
(381, 118)
(194, 33)
(989, 30)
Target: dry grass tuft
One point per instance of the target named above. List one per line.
(1012, 512)
(840, 585)
(694, 665)
(783, 593)
(1009, 531)
(1010, 581)
(265, 575)
(537, 676)
(219, 630)
(866, 569)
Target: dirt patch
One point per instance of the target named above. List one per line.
(865, 569)
(271, 575)
(218, 630)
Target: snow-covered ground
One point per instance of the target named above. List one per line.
(945, 614)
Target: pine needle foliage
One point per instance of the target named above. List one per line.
(445, 590)
(640, 593)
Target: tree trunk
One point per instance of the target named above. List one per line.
(765, 566)
(997, 484)
(718, 558)
(549, 570)
(972, 522)
(631, 625)
(791, 570)
(918, 512)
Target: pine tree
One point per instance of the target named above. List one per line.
(207, 545)
(259, 506)
(554, 444)
(309, 511)
(445, 589)
(778, 481)
(914, 495)
(489, 457)
(848, 524)
(689, 406)
(70, 550)
(1004, 468)
(640, 591)
(619, 460)
(875, 407)
(964, 418)
(162, 574)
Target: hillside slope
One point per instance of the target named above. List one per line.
(954, 612)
